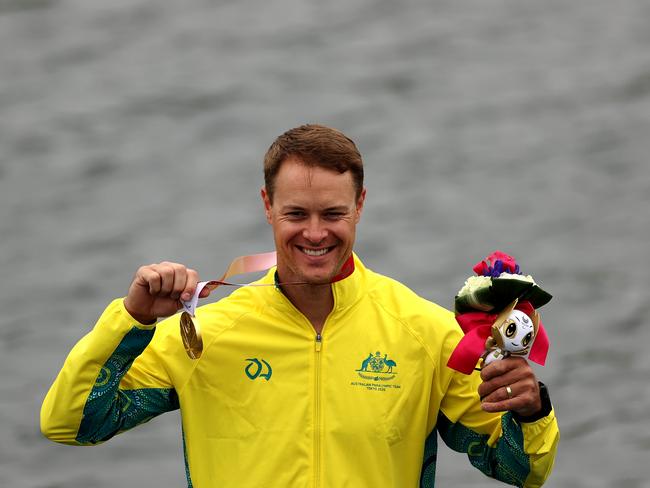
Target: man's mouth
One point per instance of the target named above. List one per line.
(315, 252)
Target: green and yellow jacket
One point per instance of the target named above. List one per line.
(272, 404)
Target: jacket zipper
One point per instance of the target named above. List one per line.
(318, 344)
(317, 413)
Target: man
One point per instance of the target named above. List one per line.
(334, 377)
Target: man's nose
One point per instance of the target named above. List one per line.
(315, 232)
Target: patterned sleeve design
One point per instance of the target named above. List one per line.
(428, 475)
(110, 410)
(506, 461)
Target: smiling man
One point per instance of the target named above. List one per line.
(314, 212)
(333, 376)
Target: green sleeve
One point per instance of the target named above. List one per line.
(515, 452)
(96, 394)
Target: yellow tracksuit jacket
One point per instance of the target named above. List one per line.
(271, 404)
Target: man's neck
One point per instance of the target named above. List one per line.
(314, 301)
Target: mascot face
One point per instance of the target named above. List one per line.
(517, 332)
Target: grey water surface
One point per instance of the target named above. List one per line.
(133, 132)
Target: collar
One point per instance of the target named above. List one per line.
(347, 287)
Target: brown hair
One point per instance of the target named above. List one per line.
(314, 145)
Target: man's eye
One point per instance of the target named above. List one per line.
(334, 215)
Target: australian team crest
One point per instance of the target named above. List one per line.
(377, 368)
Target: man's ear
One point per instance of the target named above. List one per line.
(267, 203)
(360, 201)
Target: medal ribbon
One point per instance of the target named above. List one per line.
(189, 325)
(250, 264)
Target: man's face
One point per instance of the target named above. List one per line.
(314, 216)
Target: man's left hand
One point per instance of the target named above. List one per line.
(510, 384)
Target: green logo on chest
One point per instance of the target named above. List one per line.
(258, 369)
(377, 368)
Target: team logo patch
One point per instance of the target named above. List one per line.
(378, 371)
(377, 368)
(258, 369)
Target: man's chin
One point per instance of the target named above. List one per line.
(319, 277)
(315, 280)
(317, 272)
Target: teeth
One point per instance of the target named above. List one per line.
(314, 252)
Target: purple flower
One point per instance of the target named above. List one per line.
(495, 264)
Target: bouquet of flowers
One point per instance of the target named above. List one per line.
(497, 311)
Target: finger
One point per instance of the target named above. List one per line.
(525, 402)
(499, 394)
(499, 368)
(504, 403)
(149, 277)
(515, 370)
(190, 284)
(522, 379)
(498, 382)
(180, 281)
(166, 272)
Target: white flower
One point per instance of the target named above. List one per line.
(474, 283)
(519, 277)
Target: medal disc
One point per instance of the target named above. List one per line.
(191, 334)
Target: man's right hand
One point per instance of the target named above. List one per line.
(156, 291)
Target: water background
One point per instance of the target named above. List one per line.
(133, 132)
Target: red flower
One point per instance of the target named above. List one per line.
(509, 263)
(495, 264)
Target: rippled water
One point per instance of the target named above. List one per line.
(133, 132)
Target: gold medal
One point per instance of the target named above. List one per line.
(191, 334)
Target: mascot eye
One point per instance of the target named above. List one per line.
(511, 330)
(526, 340)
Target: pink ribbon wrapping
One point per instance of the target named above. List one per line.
(478, 327)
